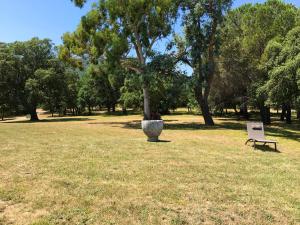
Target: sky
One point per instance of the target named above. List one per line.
(21, 20)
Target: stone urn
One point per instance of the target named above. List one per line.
(152, 128)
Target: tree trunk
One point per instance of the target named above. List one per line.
(265, 114)
(90, 110)
(235, 110)
(221, 111)
(203, 103)
(2, 114)
(33, 114)
(147, 111)
(244, 109)
(206, 114)
(298, 114)
(114, 108)
(288, 114)
(283, 112)
(124, 110)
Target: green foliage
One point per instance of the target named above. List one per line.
(86, 94)
(131, 93)
(114, 28)
(284, 76)
(32, 76)
(167, 85)
(251, 41)
(25, 58)
(100, 86)
(6, 79)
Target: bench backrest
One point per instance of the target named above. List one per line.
(256, 130)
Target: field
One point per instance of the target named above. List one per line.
(100, 170)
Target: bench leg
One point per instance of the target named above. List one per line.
(254, 144)
(248, 141)
(275, 146)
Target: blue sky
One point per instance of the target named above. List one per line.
(23, 19)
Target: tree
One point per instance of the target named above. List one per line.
(167, 86)
(247, 32)
(202, 20)
(283, 85)
(72, 77)
(87, 96)
(231, 84)
(53, 86)
(113, 27)
(5, 75)
(31, 56)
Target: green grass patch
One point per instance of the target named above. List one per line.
(100, 170)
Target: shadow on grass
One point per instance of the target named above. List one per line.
(163, 141)
(6, 119)
(276, 130)
(53, 120)
(266, 148)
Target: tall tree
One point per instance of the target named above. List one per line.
(31, 56)
(283, 63)
(202, 20)
(247, 32)
(113, 27)
(6, 70)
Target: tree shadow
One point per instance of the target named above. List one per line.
(276, 130)
(133, 124)
(53, 120)
(7, 119)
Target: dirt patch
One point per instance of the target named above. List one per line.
(19, 214)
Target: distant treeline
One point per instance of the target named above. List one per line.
(251, 61)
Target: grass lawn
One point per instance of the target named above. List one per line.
(100, 170)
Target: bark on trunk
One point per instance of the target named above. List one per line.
(206, 114)
(283, 112)
(235, 110)
(244, 109)
(147, 111)
(2, 114)
(203, 103)
(288, 114)
(244, 112)
(33, 115)
(124, 110)
(142, 61)
(265, 114)
(221, 111)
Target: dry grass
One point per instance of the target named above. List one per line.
(100, 170)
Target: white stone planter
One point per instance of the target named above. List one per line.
(152, 128)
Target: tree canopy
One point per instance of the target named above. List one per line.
(132, 55)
